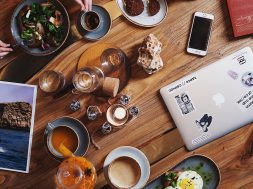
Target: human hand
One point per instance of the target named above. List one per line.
(4, 49)
(86, 5)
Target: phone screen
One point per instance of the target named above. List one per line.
(200, 33)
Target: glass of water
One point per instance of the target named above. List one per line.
(51, 81)
(87, 80)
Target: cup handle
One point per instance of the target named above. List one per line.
(50, 127)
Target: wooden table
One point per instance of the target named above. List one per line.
(154, 131)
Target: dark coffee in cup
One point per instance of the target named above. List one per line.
(90, 20)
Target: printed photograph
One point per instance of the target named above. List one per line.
(17, 108)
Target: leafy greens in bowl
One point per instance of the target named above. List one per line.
(40, 27)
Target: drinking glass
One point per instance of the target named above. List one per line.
(111, 59)
(51, 81)
(76, 173)
(87, 80)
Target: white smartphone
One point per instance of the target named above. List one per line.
(200, 33)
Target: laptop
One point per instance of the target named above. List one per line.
(214, 100)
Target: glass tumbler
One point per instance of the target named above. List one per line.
(51, 81)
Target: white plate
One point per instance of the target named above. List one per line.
(144, 19)
(135, 154)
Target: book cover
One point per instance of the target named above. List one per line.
(17, 109)
(241, 14)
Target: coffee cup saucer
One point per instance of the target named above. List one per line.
(102, 30)
(135, 154)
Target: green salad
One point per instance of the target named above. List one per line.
(41, 25)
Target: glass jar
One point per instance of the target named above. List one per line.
(76, 173)
(111, 60)
(88, 80)
(92, 77)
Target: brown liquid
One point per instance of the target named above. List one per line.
(124, 172)
(66, 136)
(92, 20)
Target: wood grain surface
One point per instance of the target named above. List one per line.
(154, 131)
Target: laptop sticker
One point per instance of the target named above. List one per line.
(204, 122)
(247, 79)
(241, 58)
(184, 102)
(201, 138)
(246, 101)
(233, 74)
(184, 83)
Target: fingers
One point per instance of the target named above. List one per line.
(87, 5)
(85, 2)
(4, 49)
(2, 54)
(80, 2)
(2, 44)
(90, 5)
(83, 8)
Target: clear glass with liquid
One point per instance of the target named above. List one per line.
(87, 80)
(76, 173)
(91, 78)
(51, 81)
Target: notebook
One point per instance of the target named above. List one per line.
(214, 100)
(241, 15)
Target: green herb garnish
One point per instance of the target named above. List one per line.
(174, 184)
(27, 34)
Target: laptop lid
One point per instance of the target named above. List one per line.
(214, 100)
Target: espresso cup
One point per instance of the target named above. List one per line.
(124, 172)
(90, 20)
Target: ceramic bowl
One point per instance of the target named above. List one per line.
(16, 32)
(199, 163)
(74, 124)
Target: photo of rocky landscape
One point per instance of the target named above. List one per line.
(15, 115)
(16, 121)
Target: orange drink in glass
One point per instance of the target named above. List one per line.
(76, 173)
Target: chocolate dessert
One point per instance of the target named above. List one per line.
(153, 7)
(134, 7)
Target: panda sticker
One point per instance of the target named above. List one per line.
(204, 122)
(247, 79)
